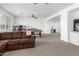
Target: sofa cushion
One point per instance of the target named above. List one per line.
(5, 35)
(17, 35)
(23, 34)
(28, 33)
(13, 42)
(23, 41)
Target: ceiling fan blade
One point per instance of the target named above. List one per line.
(32, 15)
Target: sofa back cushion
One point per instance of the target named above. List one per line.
(17, 35)
(23, 34)
(5, 35)
(13, 35)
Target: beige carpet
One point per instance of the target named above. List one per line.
(48, 45)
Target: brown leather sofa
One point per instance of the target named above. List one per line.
(15, 40)
(3, 46)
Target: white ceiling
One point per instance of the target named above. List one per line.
(55, 19)
(27, 9)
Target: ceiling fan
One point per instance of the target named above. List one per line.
(35, 17)
(38, 3)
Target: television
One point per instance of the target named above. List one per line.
(76, 25)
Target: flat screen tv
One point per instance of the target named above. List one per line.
(76, 25)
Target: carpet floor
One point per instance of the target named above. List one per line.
(47, 45)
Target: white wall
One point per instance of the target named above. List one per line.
(73, 36)
(38, 23)
(66, 21)
(73, 14)
(64, 26)
(55, 23)
(67, 18)
(35, 23)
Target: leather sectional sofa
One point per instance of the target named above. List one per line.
(15, 40)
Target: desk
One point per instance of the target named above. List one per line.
(36, 31)
(53, 30)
